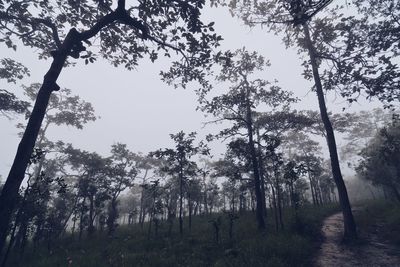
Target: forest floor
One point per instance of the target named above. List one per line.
(372, 249)
(295, 245)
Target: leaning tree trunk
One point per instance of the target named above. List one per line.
(9, 193)
(350, 231)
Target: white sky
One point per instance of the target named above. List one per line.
(138, 109)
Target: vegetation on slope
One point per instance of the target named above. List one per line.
(381, 218)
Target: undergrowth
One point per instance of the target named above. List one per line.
(382, 218)
(295, 245)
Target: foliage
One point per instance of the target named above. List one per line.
(380, 159)
(127, 32)
(64, 108)
(382, 218)
(11, 71)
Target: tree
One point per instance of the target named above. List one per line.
(121, 174)
(231, 167)
(193, 194)
(291, 175)
(309, 153)
(270, 128)
(63, 109)
(93, 185)
(239, 103)
(144, 165)
(294, 18)
(380, 161)
(62, 30)
(178, 163)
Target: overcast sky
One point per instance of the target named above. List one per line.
(138, 109)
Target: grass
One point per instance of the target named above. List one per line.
(294, 246)
(382, 218)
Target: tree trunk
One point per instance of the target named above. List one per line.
(255, 164)
(16, 175)
(141, 211)
(190, 204)
(311, 187)
(262, 175)
(275, 208)
(81, 217)
(205, 194)
(91, 216)
(279, 201)
(181, 201)
(350, 231)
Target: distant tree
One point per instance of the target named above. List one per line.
(204, 171)
(291, 175)
(92, 186)
(153, 189)
(234, 168)
(62, 30)
(194, 197)
(380, 161)
(145, 166)
(213, 195)
(363, 126)
(178, 163)
(239, 103)
(309, 153)
(121, 174)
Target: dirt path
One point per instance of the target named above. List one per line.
(370, 252)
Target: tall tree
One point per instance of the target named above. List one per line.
(238, 106)
(178, 163)
(62, 30)
(293, 18)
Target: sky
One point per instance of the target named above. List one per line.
(138, 109)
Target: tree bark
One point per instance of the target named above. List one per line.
(350, 231)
